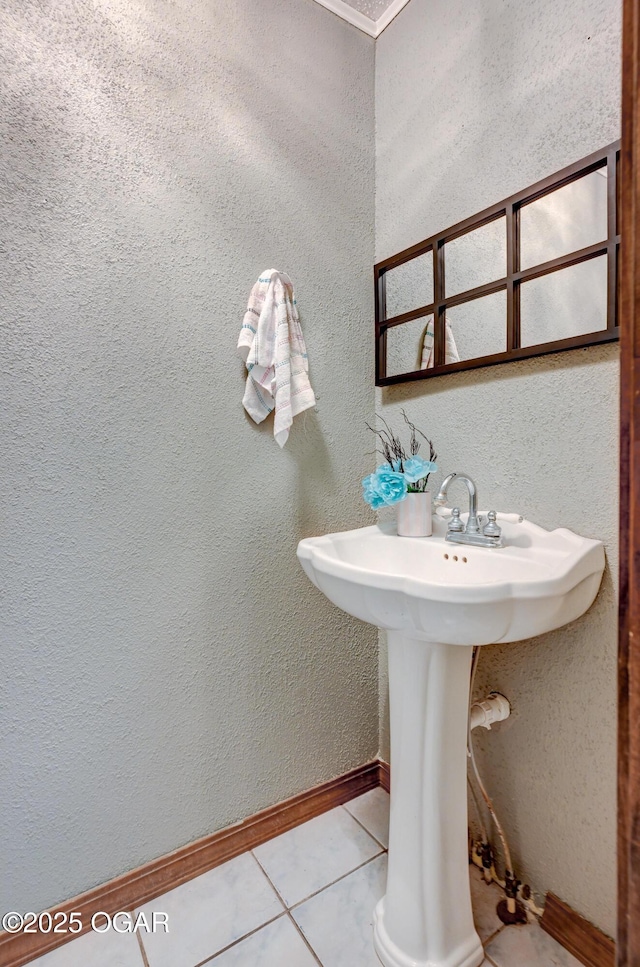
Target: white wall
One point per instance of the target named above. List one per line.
(474, 102)
(167, 667)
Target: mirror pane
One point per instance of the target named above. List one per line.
(478, 257)
(565, 220)
(410, 285)
(408, 346)
(569, 302)
(479, 327)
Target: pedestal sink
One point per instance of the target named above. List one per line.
(436, 600)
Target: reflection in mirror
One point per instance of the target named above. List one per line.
(565, 220)
(480, 327)
(569, 302)
(410, 285)
(410, 346)
(478, 257)
(405, 345)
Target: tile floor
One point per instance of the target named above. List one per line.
(301, 900)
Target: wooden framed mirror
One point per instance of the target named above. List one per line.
(533, 274)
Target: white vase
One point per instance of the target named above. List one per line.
(414, 515)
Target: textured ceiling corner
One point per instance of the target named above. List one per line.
(370, 16)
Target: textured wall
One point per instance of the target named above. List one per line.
(168, 669)
(473, 102)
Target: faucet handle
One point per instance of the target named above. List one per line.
(455, 524)
(491, 529)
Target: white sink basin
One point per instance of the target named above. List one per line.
(539, 581)
(436, 600)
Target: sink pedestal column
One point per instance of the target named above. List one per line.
(425, 918)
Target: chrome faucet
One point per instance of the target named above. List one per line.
(459, 533)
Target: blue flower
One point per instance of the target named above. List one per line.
(416, 468)
(373, 498)
(384, 488)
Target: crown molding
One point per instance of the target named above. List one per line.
(371, 27)
(390, 13)
(352, 16)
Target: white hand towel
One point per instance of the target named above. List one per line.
(272, 346)
(450, 349)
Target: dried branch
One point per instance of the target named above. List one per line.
(415, 443)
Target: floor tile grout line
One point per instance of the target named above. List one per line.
(270, 881)
(299, 903)
(287, 910)
(492, 936)
(316, 892)
(368, 831)
(245, 936)
(250, 933)
(305, 941)
(143, 952)
(145, 959)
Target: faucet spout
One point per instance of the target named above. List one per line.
(472, 526)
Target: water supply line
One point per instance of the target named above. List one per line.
(481, 853)
(483, 714)
(483, 828)
(509, 911)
